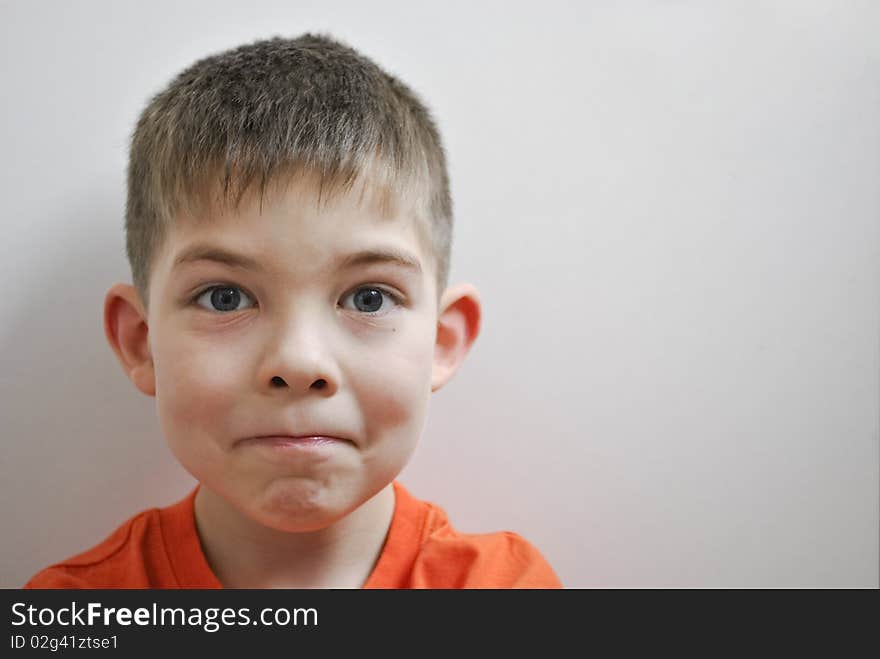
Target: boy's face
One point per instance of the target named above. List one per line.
(295, 342)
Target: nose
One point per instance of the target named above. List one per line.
(299, 359)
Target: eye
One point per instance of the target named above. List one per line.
(222, 298)
(372, 300)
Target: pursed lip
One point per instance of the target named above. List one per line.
(282, 438)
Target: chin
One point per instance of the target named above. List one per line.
(300, 506)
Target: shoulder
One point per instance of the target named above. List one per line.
(447, 558)
(119, 561)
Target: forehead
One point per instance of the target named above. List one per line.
(296, 226)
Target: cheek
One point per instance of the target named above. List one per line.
(394, 391)
(196, 384)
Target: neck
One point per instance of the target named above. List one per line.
(245, 554)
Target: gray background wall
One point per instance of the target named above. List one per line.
(670, 208)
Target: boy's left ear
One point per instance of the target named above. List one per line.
(458, 325)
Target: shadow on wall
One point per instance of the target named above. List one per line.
(83, 451)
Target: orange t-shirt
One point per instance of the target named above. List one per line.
(160, 548)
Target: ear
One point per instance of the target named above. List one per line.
(125, 325)
(458, 325)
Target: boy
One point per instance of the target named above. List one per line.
(288, 226)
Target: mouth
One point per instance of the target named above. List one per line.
(294, 442)
(297, 440)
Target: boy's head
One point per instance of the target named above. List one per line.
(289, 228)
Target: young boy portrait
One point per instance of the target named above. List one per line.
(289, 229)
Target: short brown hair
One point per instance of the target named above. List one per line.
(271, 110)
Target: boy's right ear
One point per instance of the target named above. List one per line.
(125, 326)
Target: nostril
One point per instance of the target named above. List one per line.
(278, 382)
(320, 384)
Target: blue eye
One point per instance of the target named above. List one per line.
(372, 300)
(222, 298)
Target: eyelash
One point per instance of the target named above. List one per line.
(398, 301)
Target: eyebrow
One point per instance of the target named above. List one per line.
(385, 254)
